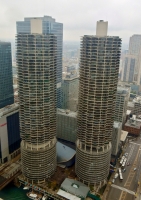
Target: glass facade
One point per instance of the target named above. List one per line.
(131, 72)
(13, 132)
(6, 80)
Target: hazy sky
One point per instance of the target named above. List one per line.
(78, 16)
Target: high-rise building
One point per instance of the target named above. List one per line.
(36, 61)
(49, 26)
(70, 86)
(116, 134)
(131, 61)
(122, 98)
(66, 125)
(99, 66)
(6, 79)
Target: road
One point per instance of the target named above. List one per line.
(126, 189)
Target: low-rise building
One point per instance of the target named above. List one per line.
(66, 125)
(116, 137)
(9, 132)
(73, 187)
(133, 126)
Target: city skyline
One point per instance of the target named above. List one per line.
(125, 25)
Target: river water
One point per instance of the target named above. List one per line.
(11, 192)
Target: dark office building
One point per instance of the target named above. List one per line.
(6, 82)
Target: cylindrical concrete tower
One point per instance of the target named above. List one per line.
(36, 61)
(99, 65)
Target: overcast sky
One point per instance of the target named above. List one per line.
(78, 16)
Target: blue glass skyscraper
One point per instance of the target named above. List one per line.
(6, 80)
(49, 26)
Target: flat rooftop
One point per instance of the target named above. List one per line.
(7, 109)
(133, 123)
(137, 99)
(123, 135)
(116, 124)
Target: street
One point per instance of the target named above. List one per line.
(126, 189)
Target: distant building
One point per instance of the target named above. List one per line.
(6, 79)
(122, 98)
(66, 125)
(131, 61)
(137, 106)
(70, 87)
(133, 126)
(116, 137)
(49, 26)
(130, 106)
(9, 132)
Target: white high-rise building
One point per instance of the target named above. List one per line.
(36, 61)
(99, 67)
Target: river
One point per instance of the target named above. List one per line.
(11, 192)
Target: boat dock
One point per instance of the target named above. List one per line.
(38, 189)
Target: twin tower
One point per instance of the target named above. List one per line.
(37, 64)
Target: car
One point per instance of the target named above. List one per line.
(123, 170)
(135, 169)
(113, 180)
(128, 164)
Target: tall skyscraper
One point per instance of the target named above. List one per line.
(36, 61)
(122, 98)
(132, 62)
(99, 66)
(49, 26)
(6, 78)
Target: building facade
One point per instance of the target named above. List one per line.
(137, 106)
(122, 98)
(70, 86)
(131, 61)
(99, 67)
(66, 125)
(49, 26)
(6, 77)
(9, 132)
(133, 126)
(116, 134)
(37, 62)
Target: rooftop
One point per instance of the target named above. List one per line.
(8, 109)
(66, 112)
(133, 122)
(122, 90)
(75, 187)
(137, 99)
(123, 135)
(116, 124)
(130, 104)
(64, 153)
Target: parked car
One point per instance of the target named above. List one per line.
(135, 169)
(128, 164)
